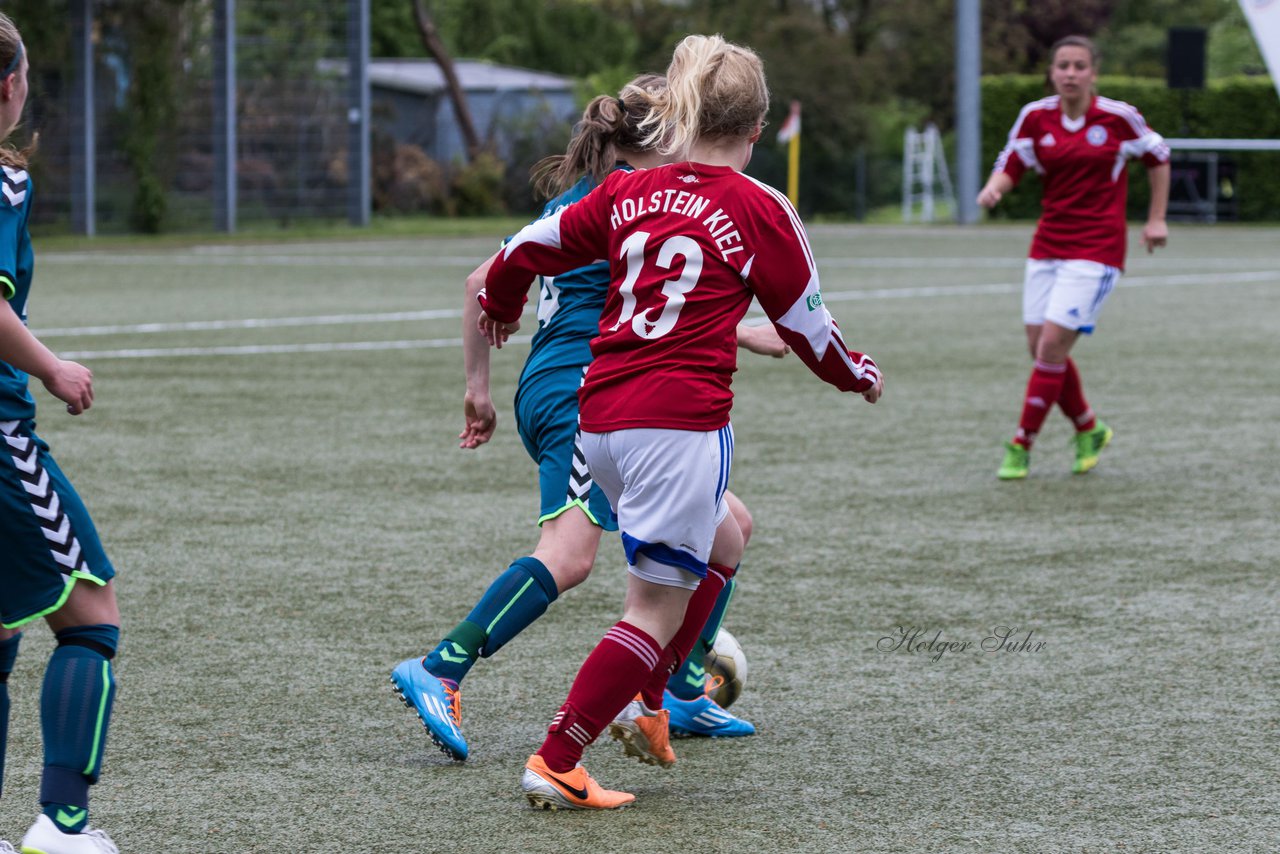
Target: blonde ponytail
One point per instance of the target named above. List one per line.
(715, 89)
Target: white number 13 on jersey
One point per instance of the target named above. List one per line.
(673, 289)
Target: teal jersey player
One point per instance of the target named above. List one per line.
(52, 565)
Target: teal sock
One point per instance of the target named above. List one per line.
(514, 600)
(689, 681)
(75, 712)
(8, 656)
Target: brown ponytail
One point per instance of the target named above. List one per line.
(11, 51)
(609, 128)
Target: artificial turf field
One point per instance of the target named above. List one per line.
(284, 498)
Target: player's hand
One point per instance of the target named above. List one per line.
(989, 196)
(481, 419)
(72, 383)
(763, 339)
(872, 394)
(1155, 234)
(495, 331)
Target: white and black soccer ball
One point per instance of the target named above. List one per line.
(727, 661)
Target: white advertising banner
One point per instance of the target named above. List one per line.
(1264, 20)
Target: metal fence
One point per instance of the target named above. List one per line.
(254, 128)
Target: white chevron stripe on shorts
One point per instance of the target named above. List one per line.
(579, 476)
(54, 523)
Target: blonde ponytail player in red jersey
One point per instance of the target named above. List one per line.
(690, 244)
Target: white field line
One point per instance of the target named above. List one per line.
(113, 259)
(421, 262)
(251, 323)
(922, 292)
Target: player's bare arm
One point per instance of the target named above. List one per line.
(997, 185)
(70, 382)
(1155, 233)
(762, 339)
(480, 418)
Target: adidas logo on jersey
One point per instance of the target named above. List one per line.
(1047, 140)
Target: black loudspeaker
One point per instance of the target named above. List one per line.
(1186, 58)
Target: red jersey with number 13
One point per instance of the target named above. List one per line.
(1082, 164)
(688, 245)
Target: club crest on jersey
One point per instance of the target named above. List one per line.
(1096, 135)
(689, 179)
(1047, 140)
(814, 301)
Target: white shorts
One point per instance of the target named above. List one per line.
(667, 488)
(1068, 293)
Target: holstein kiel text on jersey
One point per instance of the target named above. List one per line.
(722, 229)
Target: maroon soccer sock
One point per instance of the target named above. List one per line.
(695, 617)
(608, 680)
(1043, 390)
(1072, 401)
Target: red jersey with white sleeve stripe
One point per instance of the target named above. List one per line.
(1082, 165)
(689, 246)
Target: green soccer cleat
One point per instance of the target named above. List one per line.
(1017, 460)
(1089, 443)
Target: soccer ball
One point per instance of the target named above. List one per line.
(727, 661)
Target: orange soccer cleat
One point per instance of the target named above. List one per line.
(572, 790)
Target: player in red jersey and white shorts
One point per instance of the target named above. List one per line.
(690, 244)
(1079, 143)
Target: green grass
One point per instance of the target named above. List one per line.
(289, 526)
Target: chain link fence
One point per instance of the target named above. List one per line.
(155, 113)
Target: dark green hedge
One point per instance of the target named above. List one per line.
(1233, 108)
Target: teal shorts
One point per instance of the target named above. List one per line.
(547, 418)
(47, 539)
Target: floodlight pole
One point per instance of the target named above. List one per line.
(968, 108)
(224, 115)
(359, 167)
(83, 145)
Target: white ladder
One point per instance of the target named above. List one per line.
(924, 168)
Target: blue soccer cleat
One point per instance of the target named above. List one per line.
(703, 716)
(439, 707)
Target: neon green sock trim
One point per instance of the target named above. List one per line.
(102, 713)
(577, 502)
(507, 608)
